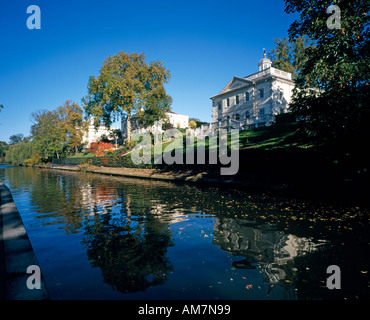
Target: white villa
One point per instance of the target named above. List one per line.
(255, 100)
(93, 134)
(177, 120)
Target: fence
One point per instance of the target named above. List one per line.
(108, 161)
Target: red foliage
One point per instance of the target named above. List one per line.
(99, 148)
(93, 147)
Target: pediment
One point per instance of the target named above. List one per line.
(236, 82)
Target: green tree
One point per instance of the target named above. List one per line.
(16, 138)
(332, 89)
(48, 134)
(155, 109)
(19, 152)
(126, 83)
(3, 149)
(289, 55)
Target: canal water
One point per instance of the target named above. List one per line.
(101, 237)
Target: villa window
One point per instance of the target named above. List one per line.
(228, 102)
(247, 96)
(261, 93)
(247, 115)
(261, 112)
(237, 117)
(237, 99)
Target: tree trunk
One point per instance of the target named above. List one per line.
(128, 126)
(76, 149)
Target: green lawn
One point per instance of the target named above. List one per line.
(279, 136)
(273, 137)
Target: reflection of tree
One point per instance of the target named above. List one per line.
(130, 251)
(55, 196)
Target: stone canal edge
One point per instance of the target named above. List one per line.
(16, 254)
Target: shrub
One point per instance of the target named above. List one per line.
(93, 147)
(104, 148)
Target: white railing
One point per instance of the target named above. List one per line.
(270, 70)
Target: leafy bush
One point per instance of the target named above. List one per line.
(104, 148)
(93, 147)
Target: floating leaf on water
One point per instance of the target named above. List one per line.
(249, 286)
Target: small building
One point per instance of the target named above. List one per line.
(177, 120)
(254, 100)
(93, 134)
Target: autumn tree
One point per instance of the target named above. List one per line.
(72, 124)
(126, 84)
(192, 124)
(332, 90)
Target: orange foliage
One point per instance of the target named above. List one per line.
(103, 148)
(100, 148)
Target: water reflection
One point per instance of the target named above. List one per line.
(126, 228)
(261, 246)
(131, 254)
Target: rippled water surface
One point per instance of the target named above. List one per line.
(100, 237)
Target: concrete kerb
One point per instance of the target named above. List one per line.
(17, 253)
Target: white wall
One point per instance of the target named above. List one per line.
(178, 119)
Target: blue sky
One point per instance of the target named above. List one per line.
(203, 43)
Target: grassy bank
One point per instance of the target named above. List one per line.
(269, 157)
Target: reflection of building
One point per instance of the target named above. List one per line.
(260, 244)
(167, 214)
(93, 134)
(255, 100)
(100, 197)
